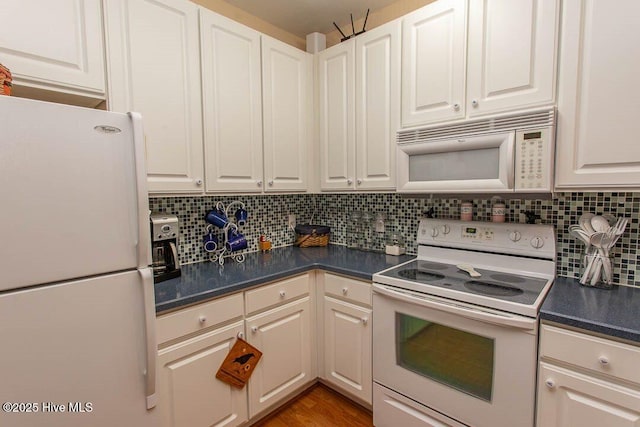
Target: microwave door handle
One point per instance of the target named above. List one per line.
(457, 309)
(511, 170)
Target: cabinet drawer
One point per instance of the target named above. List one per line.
(347, 289)
(597, 354)
(189, 320)
(280, 292)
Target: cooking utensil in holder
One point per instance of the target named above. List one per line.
(312, 235)
(599, 235)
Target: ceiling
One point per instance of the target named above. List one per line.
(301, 17)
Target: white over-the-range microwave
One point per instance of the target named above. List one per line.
(501, 154)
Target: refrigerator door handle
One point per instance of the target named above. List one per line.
(144, 238)
(150, 332)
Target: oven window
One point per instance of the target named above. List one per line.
(455, 166)
(456, 358)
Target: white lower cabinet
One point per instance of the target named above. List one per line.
(284, 337)
(586, 381)
(193, 344)
(347, 347)
(190, 393)
(346, 335)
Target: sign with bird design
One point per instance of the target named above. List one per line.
(239, 364)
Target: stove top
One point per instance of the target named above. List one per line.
(515, 262)
(504, 286)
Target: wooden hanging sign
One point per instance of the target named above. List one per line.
(239, 364)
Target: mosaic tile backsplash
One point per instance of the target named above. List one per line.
(268, 215)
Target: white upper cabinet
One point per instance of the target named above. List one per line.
(287, 96)
(509, 59)
(54, 45)
(377, 106)
(433, 63)
(232, 104)
(512, 54)
(336, 81)
(359, 97)
(598, 106)
(154, 68)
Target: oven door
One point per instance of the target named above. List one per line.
(477, 366)
(474, 164)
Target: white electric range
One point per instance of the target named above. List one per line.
(457, 349)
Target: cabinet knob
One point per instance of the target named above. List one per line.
(198, 181)
(603, 360)
(283, 294)
(456, 107)
(474, 103)
(345, 290)
(551, 384)
(359, 181)
(259, 183)
(349, 181)
(241, 335)
(270, 183)
(254, 329)
(202, 319)
(365, 320)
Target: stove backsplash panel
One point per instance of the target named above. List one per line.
(268, 215)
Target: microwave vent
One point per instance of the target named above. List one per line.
(535, 119)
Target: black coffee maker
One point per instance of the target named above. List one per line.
(164, 246)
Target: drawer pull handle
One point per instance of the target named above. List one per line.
(551, 384)
(604, 361)
(365, 320)
(254, 329)
(345, 291)
(202, 319)
(283, 294)
(241, 335)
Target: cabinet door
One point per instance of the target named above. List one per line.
(567, 398)
(336, 81)
(283, 336)
(347, 347)
(232, 104)
(512, 54)
(55, 45)
(154, 68)
(190, 393)
(598, 105)
(433, 63)
(377, 106)
(287, 76)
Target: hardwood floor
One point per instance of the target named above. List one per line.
(319, 407)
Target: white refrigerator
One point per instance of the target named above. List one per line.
(77, 314)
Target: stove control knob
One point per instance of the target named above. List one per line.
(446, 229)
(537, 242)
(515, 236)
(434, 231)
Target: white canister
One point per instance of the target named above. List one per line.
(466, 211)
(498, 212)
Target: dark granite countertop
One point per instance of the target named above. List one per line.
(206, 280)
(614, 312)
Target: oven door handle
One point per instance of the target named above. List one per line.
(460, 309)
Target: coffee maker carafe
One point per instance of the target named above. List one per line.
(164, 246)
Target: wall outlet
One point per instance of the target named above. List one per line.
(292, 221)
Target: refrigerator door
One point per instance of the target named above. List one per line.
(73, 200)
(77, 351)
